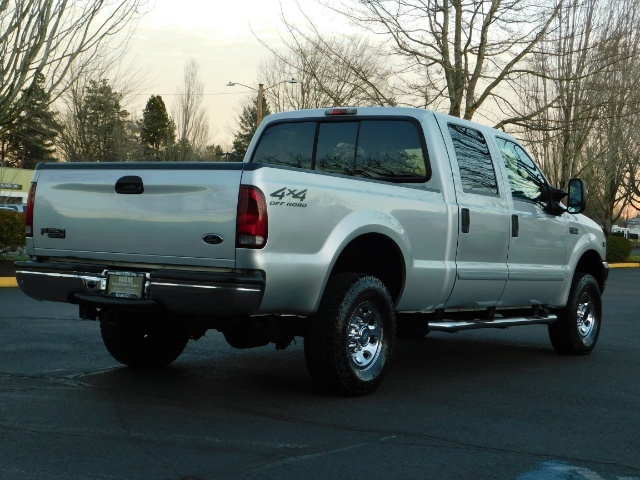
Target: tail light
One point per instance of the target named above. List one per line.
(29, 213)
(251, 223)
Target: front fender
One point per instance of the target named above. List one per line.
(587, 254)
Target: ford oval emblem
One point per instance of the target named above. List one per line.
(212, 239)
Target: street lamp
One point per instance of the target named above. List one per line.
(261, 89)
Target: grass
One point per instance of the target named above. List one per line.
(14, 258)
(634, 259)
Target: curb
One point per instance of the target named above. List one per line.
(623, 265)
(8, 282)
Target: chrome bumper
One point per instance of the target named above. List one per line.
(180, 292)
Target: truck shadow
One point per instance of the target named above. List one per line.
(437, 365)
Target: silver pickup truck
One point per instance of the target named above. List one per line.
(347, 227)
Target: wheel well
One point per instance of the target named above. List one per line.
(591, 263)
(377, 255)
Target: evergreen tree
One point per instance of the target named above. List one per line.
(213, 153)
(32, 135)
(96, 127)
(158, 130)
(104, 132)
(218, 153)
(248, 126)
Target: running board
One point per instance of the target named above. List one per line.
(452, 327)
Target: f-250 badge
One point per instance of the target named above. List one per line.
(285, 194)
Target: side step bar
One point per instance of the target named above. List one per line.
(453, 326)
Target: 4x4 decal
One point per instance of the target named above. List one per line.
(289, 193)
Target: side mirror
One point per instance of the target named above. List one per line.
(555, 195)
(577, 201)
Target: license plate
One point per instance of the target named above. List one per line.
(125, 284)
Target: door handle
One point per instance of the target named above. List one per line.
(465, 219)
(515, 226)
(130, 185)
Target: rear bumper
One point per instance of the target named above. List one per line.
(176, 291)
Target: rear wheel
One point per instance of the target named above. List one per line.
(350, 340)
(577, 329)
(140, 343)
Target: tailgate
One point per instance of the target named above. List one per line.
(160, 213)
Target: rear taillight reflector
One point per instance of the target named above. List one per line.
(251, 223)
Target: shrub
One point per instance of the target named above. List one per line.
(12, 236)
(618, 249)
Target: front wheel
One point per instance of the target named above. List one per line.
(577, 329)
(349, 342)
(142, 343)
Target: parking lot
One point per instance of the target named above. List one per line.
(496, 404)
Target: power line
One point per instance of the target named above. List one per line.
(194, 94)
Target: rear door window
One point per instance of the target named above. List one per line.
(474, 160)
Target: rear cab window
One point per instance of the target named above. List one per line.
(389, 149)
(290, 147)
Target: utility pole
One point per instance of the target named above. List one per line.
(261, 89)
(260, 96)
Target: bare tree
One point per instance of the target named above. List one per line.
(459, 52)
(56, 38)
(190, 115)
(331, 70)
(565, 97)
(612, 154)
(588, 71)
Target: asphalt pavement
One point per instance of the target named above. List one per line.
(494, 404)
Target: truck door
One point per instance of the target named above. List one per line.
(538, 245)
(483, 219)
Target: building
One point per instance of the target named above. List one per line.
(14, 185)
(631, 232)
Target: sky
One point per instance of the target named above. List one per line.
(221, 37)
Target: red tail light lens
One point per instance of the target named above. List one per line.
(29, 213)
(252, 225)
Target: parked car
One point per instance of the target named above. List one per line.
(16, 207)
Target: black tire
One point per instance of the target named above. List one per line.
(140, 343)
(349, 342)
(577, 329)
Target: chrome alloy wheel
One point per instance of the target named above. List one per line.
(577, 328)
(587, 322)
(365, 336)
